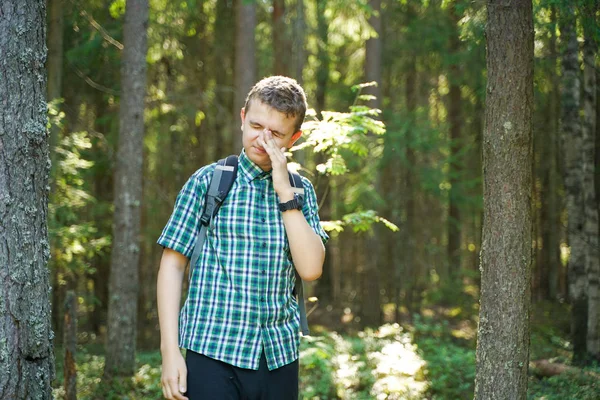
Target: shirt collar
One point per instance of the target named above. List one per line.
(250, 170)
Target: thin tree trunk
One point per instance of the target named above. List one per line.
(571, 139)
(551, 202)
(26, 359)
(299, 42)
(245, 62)
(410, 271)
(55, 65)
(280, 40)
(372, 298)
(70, 345)
(506, 255)
(123, 289)
(224, 122)
(455, 122)
(328, 287)
(592, 263)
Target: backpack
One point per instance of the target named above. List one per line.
(222, 179)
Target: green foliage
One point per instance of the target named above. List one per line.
(580, 386)
(450, 365)
(74, 239)
(349, 141)
(317, 368)
(145, 383)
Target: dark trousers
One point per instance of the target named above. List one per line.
(209, 379)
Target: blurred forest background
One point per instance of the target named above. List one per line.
(381, 287)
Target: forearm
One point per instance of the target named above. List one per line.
(169, 284)
(308, 252)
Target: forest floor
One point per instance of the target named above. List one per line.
(430, 357)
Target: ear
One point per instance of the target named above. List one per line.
(243, 116)
(295, 137)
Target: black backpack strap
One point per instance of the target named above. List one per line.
(222, 179)
(298, 187)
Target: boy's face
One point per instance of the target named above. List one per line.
(261, 117)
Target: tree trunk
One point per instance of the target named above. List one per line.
(371, 296)
(280, 41)
(26, 358)
(55, 64)
(503, 333)
(299, 42)
(571, 143)
(223, 120)
(329, 285)
(123, 289)
(455, 122)
(592, 263)
(70, 346)
(550, 199)
(245, 63)
(373, 54)
(410, 271)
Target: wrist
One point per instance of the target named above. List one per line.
(168, 349)
(286, 195)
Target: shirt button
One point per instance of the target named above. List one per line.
(264, 245)
(263, 220)
(262, 299)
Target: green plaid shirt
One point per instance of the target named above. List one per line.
(240, 294)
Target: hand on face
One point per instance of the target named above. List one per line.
(281, 182)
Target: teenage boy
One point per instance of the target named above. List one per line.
(240, 321)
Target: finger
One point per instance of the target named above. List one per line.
(174, 388)
(167, 391)
(164, 391)
(183, 381)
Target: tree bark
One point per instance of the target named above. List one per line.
(223, 120)
(299, 42)
(70, 345)
(571, 143)
(123, 289)
(592, 256)
(245, 62)
(371, 311)
(550, 212)
(410, 270)
(26, 358)
(280, 39)
(506, 255)
(455, 122)
(328, 287)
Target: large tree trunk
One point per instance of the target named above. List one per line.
(592, 263)
(571, 143)
(123, 289)
(503, 333)
(26, 358)
(245, 63)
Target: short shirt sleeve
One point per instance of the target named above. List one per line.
(311, 210)
(182, 229)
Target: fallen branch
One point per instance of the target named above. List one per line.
(546, 369)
